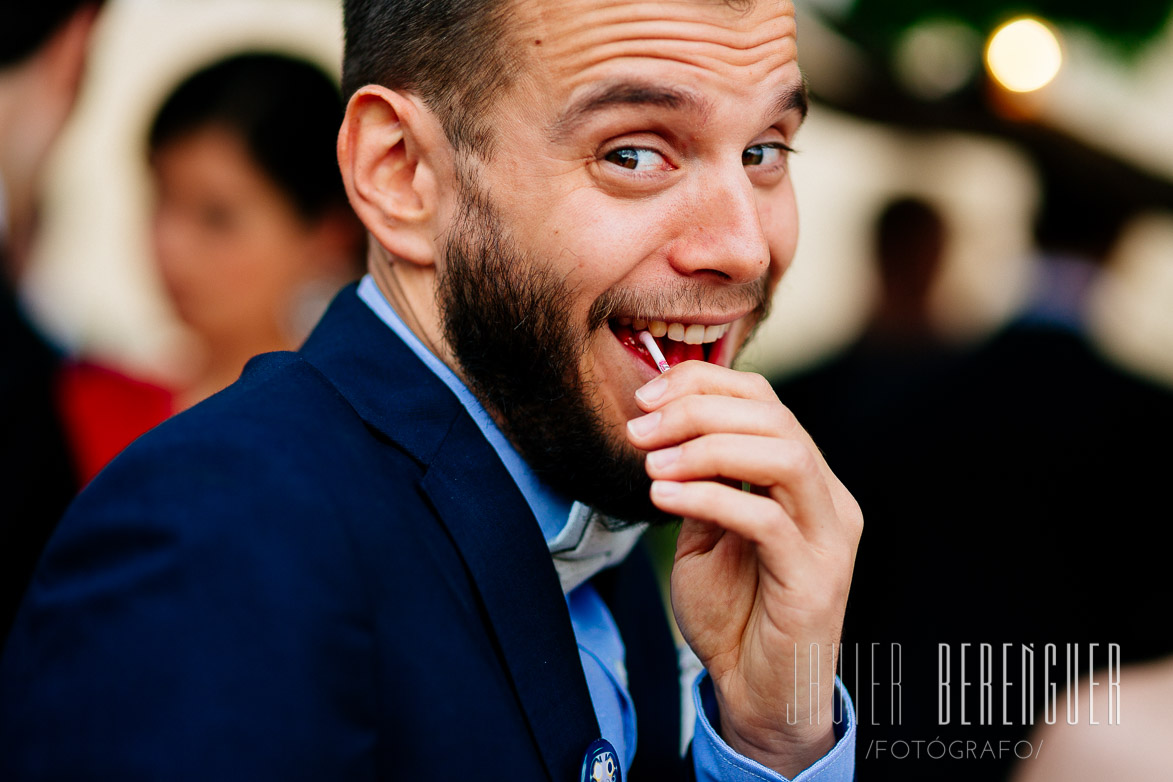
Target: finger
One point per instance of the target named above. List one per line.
(703, 379)
(695, 415)
(755, 518)
(787, 469)
(699, 377)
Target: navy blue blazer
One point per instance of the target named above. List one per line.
(322, 573)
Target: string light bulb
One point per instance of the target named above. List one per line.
(1024, 54)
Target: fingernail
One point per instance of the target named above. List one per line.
(644, 425)
(652, 391)
(661, 459)
(665, 489)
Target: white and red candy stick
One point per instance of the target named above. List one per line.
(654, 348)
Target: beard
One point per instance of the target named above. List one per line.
(505, 317)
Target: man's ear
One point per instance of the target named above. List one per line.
(389, 147)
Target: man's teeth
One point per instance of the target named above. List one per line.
(688, 333)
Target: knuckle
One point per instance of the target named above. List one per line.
(853, 516)
(784, 419)
(773, 516)
(761, 387)
(688, 414)
(689, 452)
(687, 371)
(779, 519)
(795, 459)
(848, 508)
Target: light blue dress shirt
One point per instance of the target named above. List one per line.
(600, 646)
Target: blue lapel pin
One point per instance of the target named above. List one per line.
(601, 763)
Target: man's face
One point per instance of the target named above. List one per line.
(639, 175)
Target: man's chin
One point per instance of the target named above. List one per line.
(636, 508)
(621, 490)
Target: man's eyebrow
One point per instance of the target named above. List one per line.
(626, 93)
(792, 98)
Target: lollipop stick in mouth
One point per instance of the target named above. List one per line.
(657, 356)
(654, 348)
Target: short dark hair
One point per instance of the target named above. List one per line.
(908, 220)
(286, 111)
(453, 53)
(25, 27)
(910, 238)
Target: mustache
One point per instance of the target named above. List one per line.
(685, 296)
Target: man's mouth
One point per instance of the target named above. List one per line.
(677, 340)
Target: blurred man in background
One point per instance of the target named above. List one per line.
(893, 367)
(1012, 487)
(60, 420)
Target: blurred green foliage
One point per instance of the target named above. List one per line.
(661, 544)
(1124, 25)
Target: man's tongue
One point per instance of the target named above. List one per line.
(674, 352)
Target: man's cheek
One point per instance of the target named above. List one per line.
(608, 392)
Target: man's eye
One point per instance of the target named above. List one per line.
(636, 158)
(763, 154)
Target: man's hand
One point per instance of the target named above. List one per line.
(761, 578)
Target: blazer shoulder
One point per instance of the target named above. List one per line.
(282, 414)
(202, 591)
(279, 458)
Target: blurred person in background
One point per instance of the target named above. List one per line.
(1011, 488)
(911, 237)
(63, 417)
(1132, 749)
(1125, 425)
(252, 230)
(900, 355)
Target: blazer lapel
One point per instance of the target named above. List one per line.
(500, 542)
(485, 514)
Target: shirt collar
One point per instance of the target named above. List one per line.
(551, 509)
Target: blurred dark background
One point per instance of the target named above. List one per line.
(1013, 475)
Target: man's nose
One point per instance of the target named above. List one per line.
(721, 231)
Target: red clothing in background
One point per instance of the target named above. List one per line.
(103, 411)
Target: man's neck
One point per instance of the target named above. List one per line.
(410, 290)
(549, 508)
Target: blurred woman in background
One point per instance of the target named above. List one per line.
(252, 230)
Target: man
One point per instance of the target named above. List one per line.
(341, 566)
(45, 441)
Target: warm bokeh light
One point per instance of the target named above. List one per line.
(937, 58)
(1024, 55)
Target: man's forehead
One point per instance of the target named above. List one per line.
(572, 36)
(743, 14)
